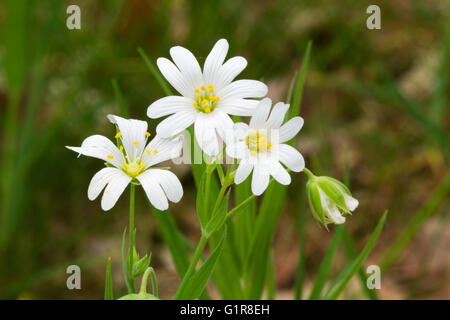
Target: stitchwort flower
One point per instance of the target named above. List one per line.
(208, 97)
(329, 199)
(132, 160)
(260, 146)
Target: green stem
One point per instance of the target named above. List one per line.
(192, 265)
(207, 189)
(144, 281)
(308, 173)
(240, 205)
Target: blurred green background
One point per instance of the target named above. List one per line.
(375, 101)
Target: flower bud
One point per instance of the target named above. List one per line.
(329, 199)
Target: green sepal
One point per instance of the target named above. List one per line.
(314, 201)
(140, 266)
(139, 296)
(333, 192)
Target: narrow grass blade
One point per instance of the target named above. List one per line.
(271, 283)
(348, 273)
(439, 195)
(161, 81)
(296, 103)
(119, 98)
(199, 279)
(352, 253)
(301, 221)
(325, 266)
(108, 282)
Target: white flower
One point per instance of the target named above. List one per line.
(208, 97)
(260, 146)
(132, 160)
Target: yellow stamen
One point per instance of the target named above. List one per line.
(195, 103)
(155, 151)
(196, 90)
(252, 152)
(148, 151)
(207, 110)
(147, 134)
(136, 143)
(118, 135)
(210, 86)
(217, 98)
(204, 101)
(110, 156)
(211, 89)
(141, 165)
(269, 144)
(121, 148)
(211, 98)
(126, 165)
(197, 96)
(203, 88)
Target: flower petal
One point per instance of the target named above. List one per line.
(243, 89)
(176, 123)
(169, 105)
(132, 135)
(224, 124)
(100, 147)
(242, 172)
(290, 129)
(161, 149)
(279, 173)
(153, 190)
(188, 65)
(229, 70)
(99, 181)
(262, 112)
(291, 158)
(239, 107)
(240, 130)
(260, 181)
(237, 150)
(169, 183)
(175, 77)
(214, 61)
(277, 115)
(114, 189)
(205, 134)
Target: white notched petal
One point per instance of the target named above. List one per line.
(291, 158)
(168, 181)
(243, 171)
(168, 105)
(230, 70)
(240, 130)
(153, 190)
(243, 89)
(100, 147)
(239, 107)
(259, 118)
(114, 189)
(205, 134)
(175, 77)
(176, 123)
(277, 115)
(290, 129)
(188, 65)
(260, 181)
(279, 173)
(132, 135)
(214, 61)
(350, 202)
(223, 124)
(100, 180)
(161, 149)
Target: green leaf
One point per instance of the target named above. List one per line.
(271, 283)
(140, 266)
(296, 103)
(336, 289)
(109, 295)
(325, 266)
(200, 202)
(266, 222)
(129, 283)
(161, 81)
(301, 226)
(199, 279)
(218, 218)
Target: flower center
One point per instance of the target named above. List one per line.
(134, 169)
(205, 100)
(257, 142)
